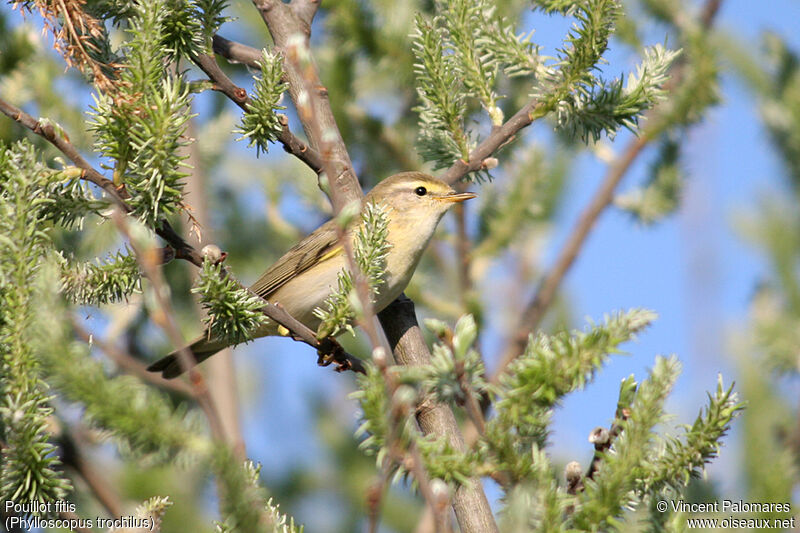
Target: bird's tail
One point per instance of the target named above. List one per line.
(202, 348)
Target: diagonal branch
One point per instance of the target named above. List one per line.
(498, 137)
(132, 365)
(236, 52)
(535, 310)
(532, 316)
(291, 143)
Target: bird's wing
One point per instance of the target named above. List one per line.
(319, 246)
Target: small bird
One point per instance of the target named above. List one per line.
(307, 274)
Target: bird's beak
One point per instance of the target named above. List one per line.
(457, 197)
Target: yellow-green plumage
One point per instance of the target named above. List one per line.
(303, 277)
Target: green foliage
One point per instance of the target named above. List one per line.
(140, 419)
(211, 18)
(233, 312)
(564, 7)
(683, 458)
(551, 367)
(609, 105)
(459, 54)
(467, 56)
(110, 280)
(611, 489)
(456, 370)
(699, 85)
(29, 468)
(554, 365)
(370, 249)
(639, 465)
(261, 123)
(583, 49)
(464, 20)
(141, 127)
(586, 105)
(442, 135)
(780, 107)
(72, 200)
(535, 182)
(374, 403)
(183, 30)
(244, 507)
(661, 195)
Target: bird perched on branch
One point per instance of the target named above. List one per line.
(308, 273)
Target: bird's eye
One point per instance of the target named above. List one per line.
(420, 191)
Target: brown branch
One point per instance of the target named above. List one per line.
(602, 439)
(118, 195)
(220, 370)
(469, 501)
(399, 322)
(498, 137)
(305, 10)
(49, 133)
(532, 316)
(299, 58)
(237, 52)
(285, 26)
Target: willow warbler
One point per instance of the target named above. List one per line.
(308, 273)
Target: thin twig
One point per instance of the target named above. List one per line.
(220, 370)
(132, 365)
(48, 132)
(532, 316)
(238, 95)
(498, 137)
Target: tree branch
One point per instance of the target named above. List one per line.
(71, 444)
(305, 10)
(238, 95)
(532, 316)
(398, 320)
(236, 52)
(49, 133)
(498, 137)
(164, 317)
(285, 26)
(469, 501)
